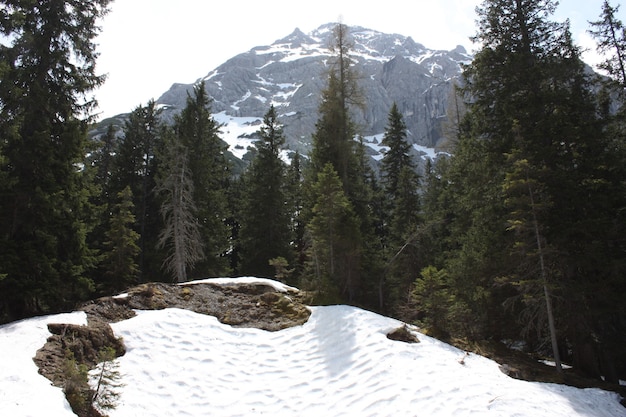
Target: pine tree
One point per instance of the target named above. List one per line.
(136, 166)
(334, 143)
(528, 82)
(196, 129)
(119, 264)
(611, 37)
(181, 232)
(401, 186)
(265, 222)
(47, 68)
(335, 241)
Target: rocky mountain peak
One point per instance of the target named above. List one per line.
(295, 39)
(290, 74)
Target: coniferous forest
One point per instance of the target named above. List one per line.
(519, 234)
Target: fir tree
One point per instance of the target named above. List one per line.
(334, 143)
(196, 129)
(181, 232)
(119, 264)
(401, 187)
(136, 166)
(528, 82)
(47, 68)
(396, 156)
(526, 199)
(295, 207)
(335, 242)
(265, 222)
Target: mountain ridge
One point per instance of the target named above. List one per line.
(291, 73)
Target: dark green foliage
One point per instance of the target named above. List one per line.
(136, 166)
(48, 71)
(335, 249)
(524, 212)
(210, 170)
(120, 252)
(266, 230)
(334, 143)
(295, 204)
(433, 299)
(401, 203)
(397, 155)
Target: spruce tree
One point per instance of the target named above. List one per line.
(196, 129)
(295, 207)
(530, 98)
(396, 155)
(180, 235)
(334, 143)
(47, 67)
(610, 34)
(265, 221)
(335, 250)
(120, 248)
(401, 186)
(136, 166)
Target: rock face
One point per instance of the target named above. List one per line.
(291, 72)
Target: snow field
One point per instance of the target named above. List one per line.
(23, 392)
(339, 363)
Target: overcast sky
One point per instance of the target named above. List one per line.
(147, 45)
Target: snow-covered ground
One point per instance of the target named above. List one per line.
(339, 363)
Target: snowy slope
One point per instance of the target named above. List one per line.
(23, 392)
(340, 363)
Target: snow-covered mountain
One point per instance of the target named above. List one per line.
(291, 72)
(338, 363)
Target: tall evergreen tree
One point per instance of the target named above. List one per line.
(397, 155)
(265, 224)
(295, 207)
(528, 82)
(401, 186)
(48, 72)
(100, 166)
(610, 34)
(181, 231)
(526, 199)
(136, 166)
(119, 263)
(196, 129)
(335, 249)
(334, 143)
(333, 140)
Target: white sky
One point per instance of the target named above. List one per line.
(147, 45)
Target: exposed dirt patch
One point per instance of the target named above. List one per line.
(243, 305)
(71, 350)
(403, 334)
(520, 365)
